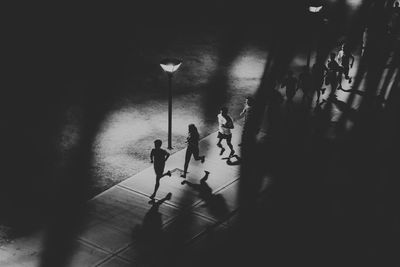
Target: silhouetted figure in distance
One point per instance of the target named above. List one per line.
(290, 82)
(248, 106)
(247, 109)
(158, 156)
(305, 84)
(332, 77)
(344, 57)
(318, 73)
(192, 148)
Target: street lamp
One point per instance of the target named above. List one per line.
(170, 65)
(313, 9)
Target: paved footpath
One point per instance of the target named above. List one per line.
(116, 217)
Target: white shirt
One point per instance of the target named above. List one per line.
(339, 57)
(222, 121)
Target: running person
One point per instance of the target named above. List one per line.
(158, 156)
(332, 77)
(192, 148)
(247, 110)
(248, 107)
(305, 84)
(224, 130)
(318, 73)
(344, 57)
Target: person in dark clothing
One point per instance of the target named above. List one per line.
(305, 84)
(247, 110)
(318, 73)
(332, 77)
(158, 156)
(346, 61)
(248, 107)
(192, 148)
(291, 86)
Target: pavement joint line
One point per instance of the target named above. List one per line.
(226, 185)
(197, 203)
(183, 213)
(144, 194)
(110, 254)
(205, 216)
(222, 222)
(104, 260)
(94, 245)
(115, 255)
(186, 213)
(205, 230)
(215, 192)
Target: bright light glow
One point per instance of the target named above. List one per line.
(314, 9)
(247, 69)
(354, 3)
(170, 65)
(249, 64)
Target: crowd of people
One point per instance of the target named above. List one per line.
(310, 82)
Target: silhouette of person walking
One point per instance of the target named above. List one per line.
(158, 156)
(291, 85)
(192, 148)
(247, 110)
(332, 77)
(305, 84)
(344, 57)
(318, 73)
(248, 107)
(225, 123)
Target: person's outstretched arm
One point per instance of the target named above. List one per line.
(243, 112)
(166, 156)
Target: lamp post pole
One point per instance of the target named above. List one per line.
(170, 65)
(309, 53)
(313, 12)
(169, 110)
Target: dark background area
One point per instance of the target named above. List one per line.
(50, 46)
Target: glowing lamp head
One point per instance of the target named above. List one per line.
(314, 9)
(170, 65)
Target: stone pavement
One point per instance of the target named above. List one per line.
(116, 220)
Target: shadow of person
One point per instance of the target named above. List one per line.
(231, 162)
(150, 236)
(152, 222)
(216, 204)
